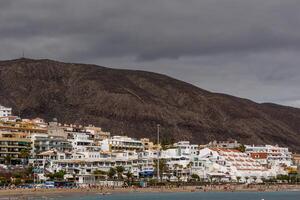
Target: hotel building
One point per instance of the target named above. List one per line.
(11, 147)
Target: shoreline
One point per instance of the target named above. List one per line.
(184, 189)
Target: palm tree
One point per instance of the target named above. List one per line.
(120, 170)
(111, 172)
(195, 177)
(24, 154)
(175, 168)
(238, 178)
(129, 176)
(189, 165)
(100, 174)
(8, 159)
(162, 166)
(255, 178)
(246, 179)
(242, 148)
(176, 171)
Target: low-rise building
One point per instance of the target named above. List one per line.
(118, 143)
(5, 111)
(22, 126)
(82, 141)
(296, 159)
(187, 149)
(229, 164)
(45, 142)
(148, 145)
(97, 132)
(227, 144)
(55, 129)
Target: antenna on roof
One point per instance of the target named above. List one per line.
(23, 54)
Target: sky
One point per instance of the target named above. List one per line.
(246, 48)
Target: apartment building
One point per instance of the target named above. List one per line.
(185, 148)
(97, 132)
(120, 143)
(45, 142)
(227, 144)
(82, 141)
(229, 164)
(14, 147)
(5, 111)
(272, 155)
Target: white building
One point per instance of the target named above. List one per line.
(5, 111)
(82, 141)
(119, 143)
(187, 149)
(82, 165)
(43, 142)
(275, 155)
(227, 144)
(227, 165)
(178, 160)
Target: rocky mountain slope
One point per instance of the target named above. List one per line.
(133, 102)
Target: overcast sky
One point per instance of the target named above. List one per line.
(247, 48)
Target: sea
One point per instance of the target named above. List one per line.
(175, 196)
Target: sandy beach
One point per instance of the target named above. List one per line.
(214, 188)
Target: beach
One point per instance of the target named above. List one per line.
(165, 189)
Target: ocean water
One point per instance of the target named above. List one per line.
(183, 196)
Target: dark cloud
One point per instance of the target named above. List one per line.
(241, 47)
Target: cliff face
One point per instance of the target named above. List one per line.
(133, 102)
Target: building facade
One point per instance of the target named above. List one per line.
(119, 143)
(14, 147)
(5, 111)
(274, 155)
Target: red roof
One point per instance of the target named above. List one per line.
(259, 155)
(225, 150)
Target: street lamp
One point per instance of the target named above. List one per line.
(158, 152)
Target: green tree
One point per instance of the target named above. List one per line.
(283, 178)
(8, 159)
(111, 173)
(17, 175)
(24, 155)
(247, 178)
(195, 177)
(17, 181)
(242, 148)
(129, 176)
(189, 165)
(50, 176)
(166, 142)
(255, 178)
(29, 170)
(163, 167)
(99, 172)
(3, 181)
(57, 175)
(120, 170)
(293, 176)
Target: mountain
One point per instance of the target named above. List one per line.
(133, 102)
